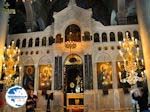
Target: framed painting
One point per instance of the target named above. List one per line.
(28, 78)
(45, 77)
(104, 75)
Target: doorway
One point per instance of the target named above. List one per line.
(73, 83)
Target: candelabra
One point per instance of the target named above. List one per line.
(10, 65)
(133, 64)
(70, 44)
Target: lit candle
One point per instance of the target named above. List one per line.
(136, 42)
(124, 39)
(142, 61)
(137, 60)
(20, 68)
(18, 58)
(137, 50)
(121, 53)
(119, 64)
(120, 76)
(18, 50)
(132, 38)
(120, 43)
(127, 34)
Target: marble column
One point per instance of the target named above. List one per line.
(115, 87)
(21, 69)
(3, 30)
(29, 14)
(143, 8)
(36, 78)
(122, 19)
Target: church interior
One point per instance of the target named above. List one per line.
(89, 55)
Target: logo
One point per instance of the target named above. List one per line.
(16, 96)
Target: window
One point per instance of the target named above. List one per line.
(73, 33)
(37, 42)
(96, 37)
(51, 40)
(129, 34)
(104, 37)
(120, 36)
(18, 43)
(30, 42)
(58, 38)
(44, 41)
(24, 43)
(86, 36)
(136, 34)
(112, 36)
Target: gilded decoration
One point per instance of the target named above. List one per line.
(104, 71)
(73, 59)
(45, 77)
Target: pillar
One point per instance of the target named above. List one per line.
(30, 17)
(3, 30)
(144, 26)
(115, 86)
(36, 78)
(122, 19)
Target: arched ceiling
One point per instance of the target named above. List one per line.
(43, 12)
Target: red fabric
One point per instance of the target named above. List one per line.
(1, 102)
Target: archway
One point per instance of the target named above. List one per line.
(73, 33)
(73, 83)
(73, 74)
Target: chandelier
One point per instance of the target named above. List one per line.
(70, 43)
(10, 65)
(132, 67)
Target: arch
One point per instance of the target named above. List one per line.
(87, 36)
(27, 60)
(129, 34)
(104, 37)
(73, 74)
(73, 59)
(30, 42)
(18, 43)
(103, 57)
(44, 41)
(73, 33)
(51, 40)
(59, 39)
(24, 43)
(136, 34)
(112, 36)
(120, 36)
(37, 42)
(96, 37)
(45, 60)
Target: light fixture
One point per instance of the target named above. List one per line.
(10, 65)
(132, 65)
(70, 43)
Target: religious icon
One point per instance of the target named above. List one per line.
(28, 79)
(104, 70)
(45, 77)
